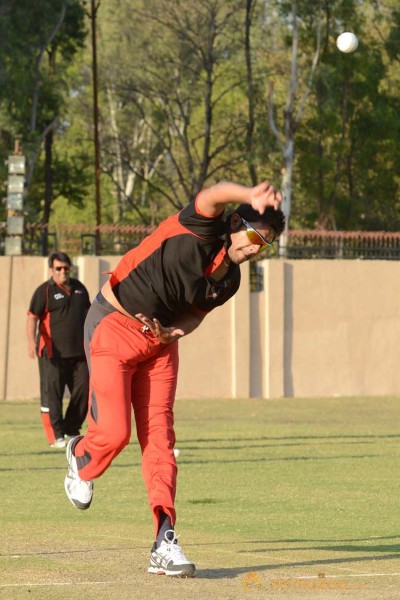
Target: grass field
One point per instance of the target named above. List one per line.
(276, 499)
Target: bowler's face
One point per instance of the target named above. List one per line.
(60, 272)
(242, 249)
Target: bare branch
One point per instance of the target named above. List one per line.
(293, 84)
(312, 70)
(271, 118)
(42, 49)
(33, 156)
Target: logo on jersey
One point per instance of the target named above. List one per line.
(217, 290)
(78, 292)
(213, 294)
(58, 296)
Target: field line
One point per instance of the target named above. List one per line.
(73, 583)
(345, 576)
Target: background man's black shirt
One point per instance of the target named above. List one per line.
(62, 316)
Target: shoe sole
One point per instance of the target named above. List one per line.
(76, 503)
(160, 571)
(181, 574)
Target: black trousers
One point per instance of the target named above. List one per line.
(55, 374)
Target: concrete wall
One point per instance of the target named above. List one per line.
(327, 328)
(320, 328)
(342, 328)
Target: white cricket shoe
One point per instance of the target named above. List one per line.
(58, 443)
(79, 492)
(168, 559)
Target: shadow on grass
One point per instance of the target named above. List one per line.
(292, 437)
(264, 445)
(213, 461)
(351, 548)
(311, 541)
(391, 552)
(230, 573)
(342, 548)
(50, 452)
(279, 459)
(394, 549)
(71, 552)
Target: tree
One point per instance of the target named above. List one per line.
(35, 60)
(297, 95)
(173, 120)
(184, 96)
(348, 164)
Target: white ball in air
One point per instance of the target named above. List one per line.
(177, 452)
(347, 42)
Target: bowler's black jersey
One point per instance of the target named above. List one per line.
(171, 270)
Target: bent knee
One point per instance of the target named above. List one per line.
(116, 441)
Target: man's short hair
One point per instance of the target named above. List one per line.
(273, 218)
(61, 256)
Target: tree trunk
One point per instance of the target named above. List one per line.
(48, 188)
(287, 177)
(250, 95)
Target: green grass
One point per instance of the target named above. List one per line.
(269, 491)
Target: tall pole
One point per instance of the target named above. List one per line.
(94, 6)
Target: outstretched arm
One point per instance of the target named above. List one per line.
(212, 201)
(187, 323)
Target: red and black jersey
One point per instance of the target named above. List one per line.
(172, 268)
(62, 316)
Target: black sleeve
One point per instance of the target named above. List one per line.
(199, 224)
(38, 303)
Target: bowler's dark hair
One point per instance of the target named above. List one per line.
(273, 218)
(61, 256)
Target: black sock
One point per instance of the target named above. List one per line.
(164, 525)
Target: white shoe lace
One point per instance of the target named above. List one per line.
(177, 553)
(171, 546)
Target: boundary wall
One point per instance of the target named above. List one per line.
(320, 328)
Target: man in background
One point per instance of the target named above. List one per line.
(59, 307)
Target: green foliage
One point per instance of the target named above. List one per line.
(34, 62)
(22, 48)
(181, 106)
(347, 166)
(71, 180)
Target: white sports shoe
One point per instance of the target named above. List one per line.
(79, 492)
(169, 559)
(58, 443)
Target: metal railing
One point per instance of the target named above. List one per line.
(371, 245)
(81, 239)
(117, 239)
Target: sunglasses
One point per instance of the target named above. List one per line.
(256, 238)
(66, 269)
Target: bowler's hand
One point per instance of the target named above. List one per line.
(263, 195)
(163, 334)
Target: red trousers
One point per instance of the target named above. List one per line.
(130, 368)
